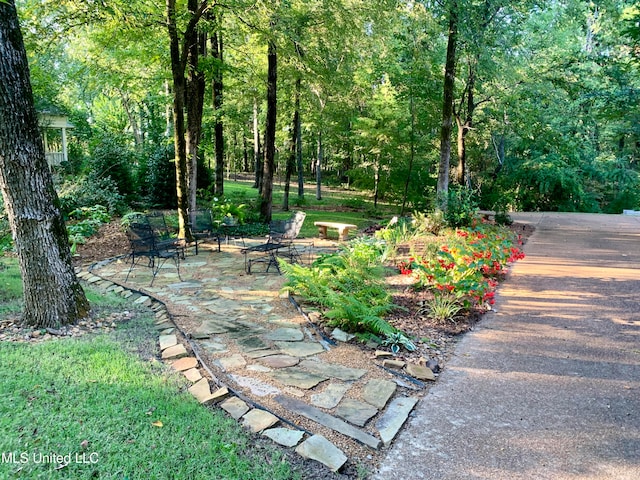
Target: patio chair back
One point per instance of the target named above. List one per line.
(202, 226)
(286, 230)
(144, 242)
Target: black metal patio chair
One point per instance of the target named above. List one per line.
(282, 233)
(202, 227)
(144, 243)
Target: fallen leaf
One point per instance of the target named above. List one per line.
(157, 423)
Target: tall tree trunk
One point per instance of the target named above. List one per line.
(293, 154)
(447, 110)
(180, 145)
(467, 106)
(257, 153)
(133, 121)
(319, 158)
(266, 193)
(412, 153)
(217, 50)
(376, 181)
(52, 293)
(245, 153)
(196, 46)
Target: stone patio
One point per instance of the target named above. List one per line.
(247, 350)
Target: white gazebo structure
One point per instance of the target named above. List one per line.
(54, 135)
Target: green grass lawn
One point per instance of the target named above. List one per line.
(100, 409)
(344, 206)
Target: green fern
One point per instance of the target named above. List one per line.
(354, 315)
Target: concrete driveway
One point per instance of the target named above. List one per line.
(548, 385)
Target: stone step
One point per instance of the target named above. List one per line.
(167, 341)
(391, 421)
(185, 363)
(258, 420)
(329, 421)
(322, 450)
(175, 352)
(284, 436)
(202, 391)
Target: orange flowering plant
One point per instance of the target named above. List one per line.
(468, 265)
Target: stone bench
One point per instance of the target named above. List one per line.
(343, 229)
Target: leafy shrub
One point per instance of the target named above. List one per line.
(85, 221)
(90, 191)
(397, 340)
(462, 207)
(349, 286)
(225, 211)
(467, 265)
(429, 223)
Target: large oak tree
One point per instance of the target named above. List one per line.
(52, 293)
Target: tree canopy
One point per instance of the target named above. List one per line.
(544, 97)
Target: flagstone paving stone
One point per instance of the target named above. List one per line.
(377, 392)
(295, 377)
(279, 361)
(286, 335)
(329, 421)
(235, 407)
(331, 395)
(185, 363)
(322, 450)
(201, 391)
(286, 437)
(248, 344)
(234, 362)
(391, 421)
(332, 370)
(214, 346)
(261, 353)
(420, 372)
(356, 412)
(300, 349)
(167, 341)
(174, 352)
(257, 420)
(193, 374)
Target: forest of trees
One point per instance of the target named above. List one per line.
(534, 105)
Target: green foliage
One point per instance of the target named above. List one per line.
(443, 307)
(84, 222)
(503, 218)
(10, 280)
(462, 207)
(90, 191)
(397, 340)
(399, 230)
(110, 158)
(349, 286)
(466, 266)
(223, 210)
(6, 239)
(354, 313)
(156, 177)
(429, 223)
